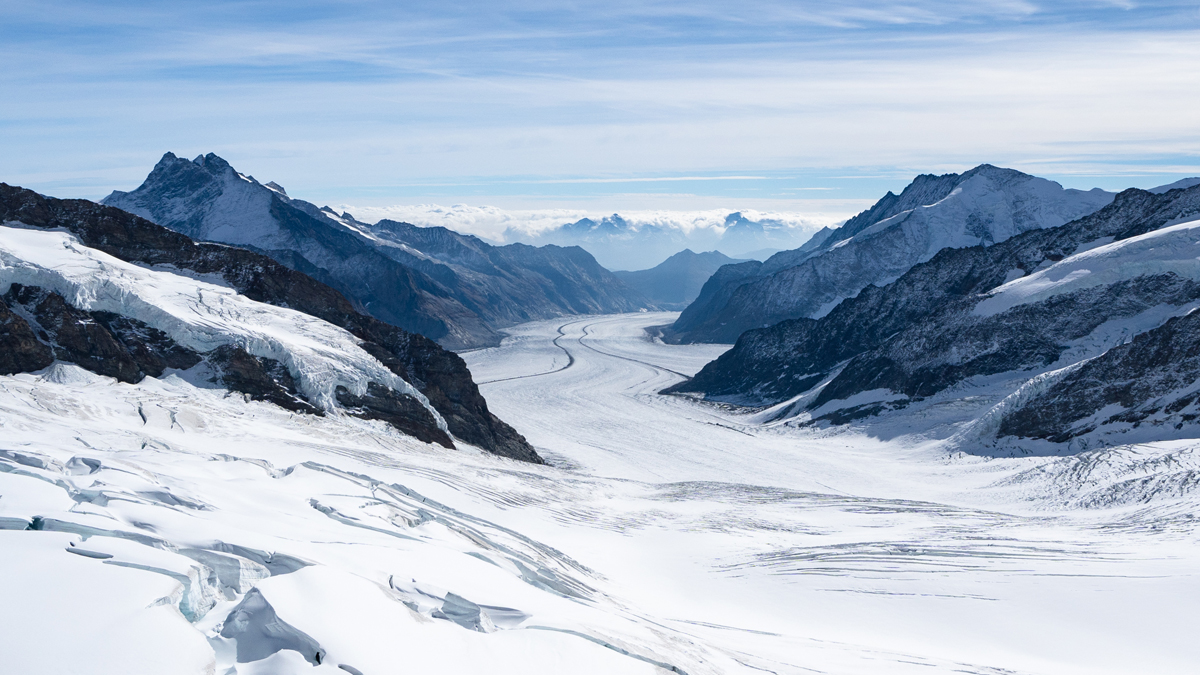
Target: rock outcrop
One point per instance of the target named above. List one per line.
(438, 374)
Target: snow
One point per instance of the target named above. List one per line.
(667, 533)
(1179, 184)
(196, 314)
(1174, 249)
(988, 208)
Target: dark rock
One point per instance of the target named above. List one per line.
(20, 350)
(151, 349)
(102, 342)
(261, 378)
(400, 410)
(1151, 379)
(74, 335)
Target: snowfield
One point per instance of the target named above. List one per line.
(168, 527)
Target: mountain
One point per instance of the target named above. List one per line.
(983, 206)
(453, 288)
(1086, 329)
(676, 281)
(120, 296)
(628, 242)
(1183, 183)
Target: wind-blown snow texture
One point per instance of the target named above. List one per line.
(452, 288)
(1002, 326)
(983, 206)
(163, 528)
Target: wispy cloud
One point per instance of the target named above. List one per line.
(381, 102)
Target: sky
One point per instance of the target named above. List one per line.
(803, 107)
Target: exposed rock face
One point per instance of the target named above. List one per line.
(261, 378)
(129, 350)
(440, 375)
(101, 342)
(400, 410)
(1152, 380)
(940, 324)
(453, 288)
(20, 350)
(980, 207)
(676, 282)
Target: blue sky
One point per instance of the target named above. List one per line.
(608, 106)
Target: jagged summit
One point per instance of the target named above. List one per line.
(983, 206)
(1085, 329)
(406, 275)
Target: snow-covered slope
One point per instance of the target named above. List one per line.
(977, 334)
(164, 527)
(126, 298)
(199, 315)
(453, 288)
(1174, 249)
(980, 207)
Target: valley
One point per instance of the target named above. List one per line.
(664, 533)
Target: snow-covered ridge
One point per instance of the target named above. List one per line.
(199, 315)
(990, 207)
(1174, 249)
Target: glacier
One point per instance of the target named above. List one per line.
(166, 526)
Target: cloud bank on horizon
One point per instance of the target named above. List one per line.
(532, 105)
(507, 225)
(628, 240)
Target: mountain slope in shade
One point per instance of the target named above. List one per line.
(675, 282)
(459, 292)
(507, 284)
(984, 206)
(263, 329)
(1028, 335)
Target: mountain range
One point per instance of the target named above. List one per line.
(453, 288)
(675, 282)
(1081, 333)
(982, 206)
(628, 243)
(120, 296)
